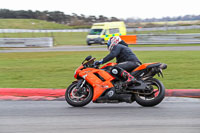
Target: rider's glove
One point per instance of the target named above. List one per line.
(97, 63)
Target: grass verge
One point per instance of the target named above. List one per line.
(56, 69)
(33, 24)
(74, 38)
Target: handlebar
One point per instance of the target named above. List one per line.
(89, 63)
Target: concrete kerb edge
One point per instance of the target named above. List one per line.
(58, 94)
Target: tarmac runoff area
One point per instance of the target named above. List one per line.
(98, 48)
(172, 115)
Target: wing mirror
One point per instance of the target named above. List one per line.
(88, 58)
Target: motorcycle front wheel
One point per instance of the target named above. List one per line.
(153, 96)
(78, 98)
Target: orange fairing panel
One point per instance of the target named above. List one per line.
(109, 64)
(143, 66)
(100, 88)
(98, 85)
(77, 71)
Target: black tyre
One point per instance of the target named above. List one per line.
(102, 42)
(89, 44)
(77, 99)
(154, 96)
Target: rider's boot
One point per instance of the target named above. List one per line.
(130, 80)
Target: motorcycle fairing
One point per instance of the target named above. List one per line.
(78, 71)
(99, 79)
(143, 66)
(108, 64)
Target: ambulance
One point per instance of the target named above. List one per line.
(101, 32)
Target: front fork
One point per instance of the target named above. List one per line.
(80, 85)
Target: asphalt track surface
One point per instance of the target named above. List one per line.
(173, 115)
(98, 48)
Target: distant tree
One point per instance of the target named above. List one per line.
(75, 19)
(92, 19)
(102, 18)
(114, 19)
(5, 13)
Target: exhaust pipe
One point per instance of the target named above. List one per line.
(163, 66)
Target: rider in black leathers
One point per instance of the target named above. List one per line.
(126, 59)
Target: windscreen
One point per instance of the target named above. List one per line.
(95, 31)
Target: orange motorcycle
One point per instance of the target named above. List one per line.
(100, 86)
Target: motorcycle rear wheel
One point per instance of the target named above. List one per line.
(77, 100)
(155, 98)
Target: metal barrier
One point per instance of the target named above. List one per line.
(26, 42)
(164, 28)
(41, 31)
(168, 39)
(87, 30)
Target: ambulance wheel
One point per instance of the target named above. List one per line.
(89, 44)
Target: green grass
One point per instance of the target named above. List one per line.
(56, 69)
(174, 22)
(30, 24)
(164, 23)
(34, 24)
(60, 38)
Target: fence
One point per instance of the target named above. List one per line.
(168, 39)
(26, 42)
(165, 28)
(87, 30)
